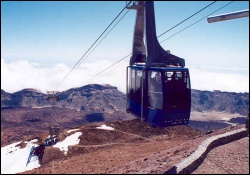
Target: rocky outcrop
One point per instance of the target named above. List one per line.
(24, 98)
(93, 97)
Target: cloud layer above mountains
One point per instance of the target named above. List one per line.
(18, 75)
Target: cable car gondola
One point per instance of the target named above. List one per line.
(158, 84)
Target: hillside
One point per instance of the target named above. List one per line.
(108, 99)
(26, 115)
(229, 102)
(29, 112)
(93, 97)
(132, 147)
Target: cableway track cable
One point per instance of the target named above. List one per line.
(164, 33)
(104, 37)
(186, 19)
(196, 22)
(92, 45)
(157, 37)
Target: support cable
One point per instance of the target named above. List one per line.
(92, 45)
(104, 37)
(186, 19)
(196, 22)
(160, 36)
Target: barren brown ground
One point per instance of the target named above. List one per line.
(231, 158)
(132, 147)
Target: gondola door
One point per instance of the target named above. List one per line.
(134, 90)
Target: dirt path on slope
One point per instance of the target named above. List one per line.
(132, 147)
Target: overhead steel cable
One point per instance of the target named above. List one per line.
(196, 22)
(115, 68)
(106, 35)
(186, 19)
(107, 68)
(164, 33)
(92, 45)
(157, 37)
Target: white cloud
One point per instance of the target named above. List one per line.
(21, 74)
(202, 79)
(18, 75)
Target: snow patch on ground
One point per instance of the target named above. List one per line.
(14, 158)
(105, 127)
(70, 140)
(69, 131)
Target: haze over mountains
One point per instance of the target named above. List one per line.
(108, 99)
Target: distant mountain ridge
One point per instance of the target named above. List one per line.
(230, 102)
(92, 97)
(108, 99)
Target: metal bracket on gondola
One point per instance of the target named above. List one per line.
(145, 24)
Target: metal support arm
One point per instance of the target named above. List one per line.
(152, 54)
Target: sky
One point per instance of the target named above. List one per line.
(14, 158)
(42, 41)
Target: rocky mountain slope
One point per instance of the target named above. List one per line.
(93, 97)
(29, 112)
(230, 102)
(108, 99)
(133, 146)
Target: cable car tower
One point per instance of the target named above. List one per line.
(158, 85)
(54, 128)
